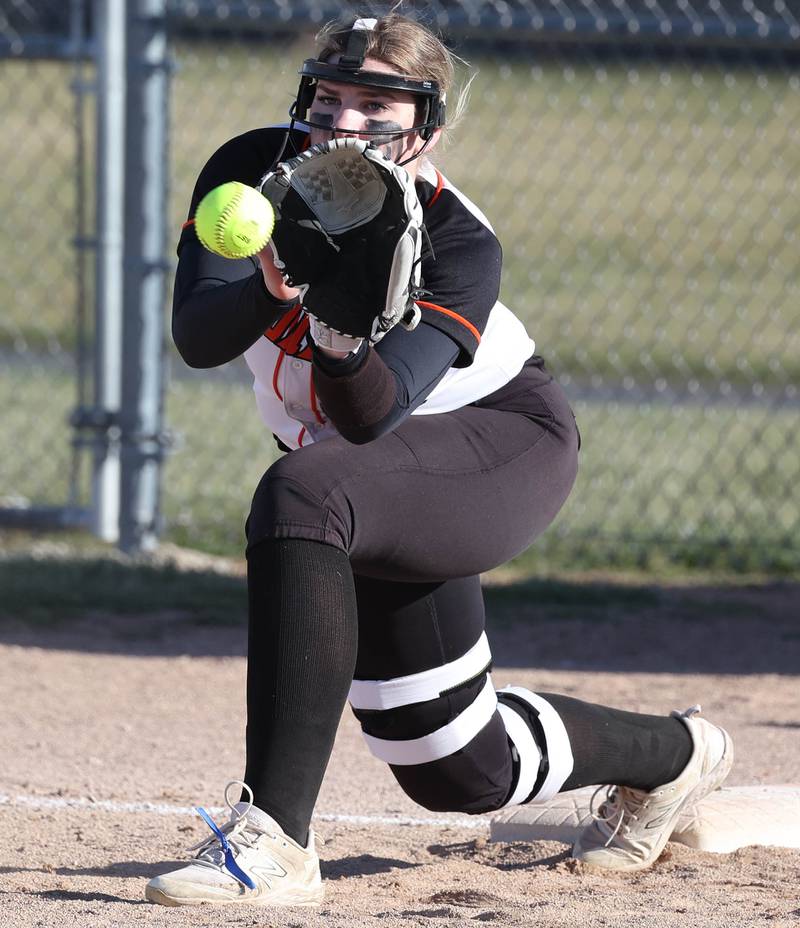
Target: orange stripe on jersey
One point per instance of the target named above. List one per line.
(290, 333)
(275, 373)
(449, 312)
(439, 187)
(189, 222)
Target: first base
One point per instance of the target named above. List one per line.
(730, 818)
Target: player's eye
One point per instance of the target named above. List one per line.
(327, 100)
(375, 107)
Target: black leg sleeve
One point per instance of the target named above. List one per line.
(623, 748)
(302, 644)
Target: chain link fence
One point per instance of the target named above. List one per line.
(46, 199)
(639, 162)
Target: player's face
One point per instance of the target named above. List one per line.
(353, 110)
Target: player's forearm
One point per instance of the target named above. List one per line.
(370, 394)
(355, 395)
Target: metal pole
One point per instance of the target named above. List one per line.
(143, 361)
(102, 419)
(80, 88)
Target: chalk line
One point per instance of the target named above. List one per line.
(163, 808)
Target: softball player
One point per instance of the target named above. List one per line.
(414, 464)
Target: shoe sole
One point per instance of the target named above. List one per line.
(311, 897)
(714, 779)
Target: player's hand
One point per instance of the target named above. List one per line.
(273, 278)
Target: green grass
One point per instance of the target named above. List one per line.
(38, 150)
(223, 450)
(688, 485)
(648, 213)
(35, 434)
(46, 591)
(53, 581)
(649, 219)
(660, 487)
(65, 584)
(644, 213)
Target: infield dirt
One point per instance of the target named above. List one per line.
(150, 709)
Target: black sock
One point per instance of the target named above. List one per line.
(302, 644)
(623, 748)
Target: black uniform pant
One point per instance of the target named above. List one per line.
(419, 514)
(442, 496)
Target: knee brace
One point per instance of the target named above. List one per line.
(455, 744)
(540, 742)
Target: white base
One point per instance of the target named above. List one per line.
(730, 818)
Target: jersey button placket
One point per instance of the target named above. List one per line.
(294, 389)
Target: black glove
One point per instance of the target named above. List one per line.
(348, 234)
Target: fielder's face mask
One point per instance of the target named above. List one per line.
(349, 70)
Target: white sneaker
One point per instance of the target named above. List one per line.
(249, 860)
(632, 827)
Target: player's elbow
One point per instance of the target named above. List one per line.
(192, 354)
(199, 346)
(197, 363)
(364, 434)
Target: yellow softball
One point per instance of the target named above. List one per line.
(234, 220)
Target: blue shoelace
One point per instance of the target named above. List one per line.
(230, 861)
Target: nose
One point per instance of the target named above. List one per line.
(350, 122)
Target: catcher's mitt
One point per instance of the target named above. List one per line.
(348, 235)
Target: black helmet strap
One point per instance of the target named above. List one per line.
(355, 51)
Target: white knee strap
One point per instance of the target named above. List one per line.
(422, 686)
(527, 752)
(557, 746)
(444, 741)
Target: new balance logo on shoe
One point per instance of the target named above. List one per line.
(270, 868)
(668, 812)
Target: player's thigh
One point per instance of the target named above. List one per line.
(483, 485)
(442, 496)
(321, 492)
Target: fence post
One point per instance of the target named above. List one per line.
(102, 419)
(147, 166)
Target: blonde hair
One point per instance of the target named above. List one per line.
(408, 47)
